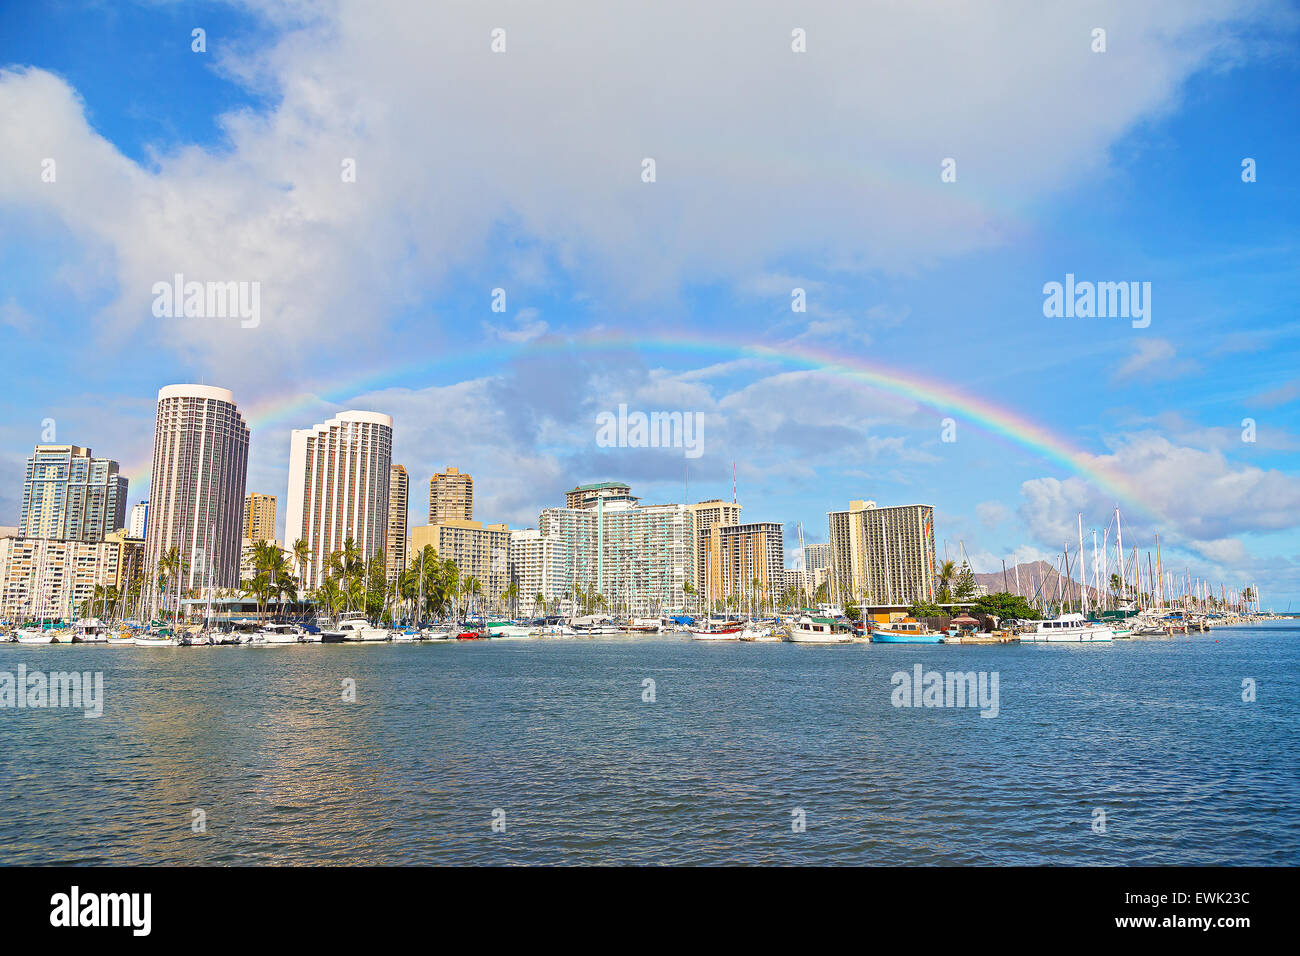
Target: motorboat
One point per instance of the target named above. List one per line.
(360, 630)
(89, 631)
(1070, 628)
(274, 634)
(906, 631)
(815, 629)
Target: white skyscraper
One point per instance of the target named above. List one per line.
(139, 517)
(196, 493)
(339, 479)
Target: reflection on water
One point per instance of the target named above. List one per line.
(556, 735)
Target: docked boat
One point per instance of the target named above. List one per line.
(718, 630)
(645, 625)
(556, 629)
(274, 634)
(405, 635)
(359, 630)
(120, 639)
(815, 629)
(1066, 629)
(436, 634)
(906, 631)
(40, 635)
(472, 634)
(760, 633)
(593, 625)
(89, 631)
(156, 639)
(510, 629)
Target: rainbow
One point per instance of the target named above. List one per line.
(293, 408)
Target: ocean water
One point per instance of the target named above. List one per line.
(554, 740)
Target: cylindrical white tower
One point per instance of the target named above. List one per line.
(196, 493)
(339, 474)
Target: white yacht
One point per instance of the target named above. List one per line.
(155, 640)
(358, 629)
(1067, 628)
(39, 635)
(281, 634)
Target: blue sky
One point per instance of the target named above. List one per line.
(522, 170)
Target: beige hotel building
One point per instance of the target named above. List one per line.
(882, 556)
(451, 497)
(479, 550)
(395, 549)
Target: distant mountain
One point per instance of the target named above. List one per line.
(1042, 571)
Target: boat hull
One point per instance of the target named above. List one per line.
(884, 637)
(806, 637)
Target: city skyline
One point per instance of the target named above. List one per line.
(932, 312)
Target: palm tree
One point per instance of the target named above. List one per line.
(511, 598)
(539, 604)
(301, 551)
(947, 572)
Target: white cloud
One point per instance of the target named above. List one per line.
(762, 153)
(527, 325)
(1154, 359)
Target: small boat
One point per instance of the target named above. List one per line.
(358, 629)
(754, 632)
(39, 635)
(472, 634)
(718, 631)
(510, 629)
(89, 631)
(274, 634)
(646, 625)
(436, 634)
(156, 639)
(557, 629)
(906, 631)
(405, 635)
(121, 639)
(1066, 629)
(810, 629)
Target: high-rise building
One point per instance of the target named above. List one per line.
(637, 558)
(586, 496)
(451, 497)
(339, 475)
(196, 493)
(707, 514)
(481, 551)
(70, 495)
(531, 565)
(259, 517)
(882, 556)
(714, 511)
(743, 564)
(816, 556)
(139, 518)
(395, 549)
(47, 578)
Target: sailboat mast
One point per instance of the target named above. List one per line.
(1083, 580)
